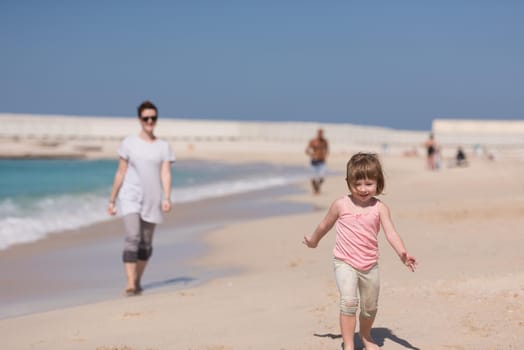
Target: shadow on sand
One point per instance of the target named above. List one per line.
(379, 334)
(178, 281)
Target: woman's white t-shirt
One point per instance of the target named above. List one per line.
(141, 191)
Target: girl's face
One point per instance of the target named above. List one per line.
(364, 189)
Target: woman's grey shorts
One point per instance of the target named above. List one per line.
(139, 238)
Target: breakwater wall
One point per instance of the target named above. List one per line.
(95, 136)
(24, 135)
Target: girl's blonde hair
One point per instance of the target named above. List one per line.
(363, 166)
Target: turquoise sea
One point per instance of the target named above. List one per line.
(39, 197)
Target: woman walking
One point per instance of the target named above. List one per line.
(142, 185)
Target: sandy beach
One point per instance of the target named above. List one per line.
(464, 226)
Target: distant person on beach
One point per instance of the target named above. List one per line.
(317, 149)
(142, 185)
(460, 158)
(432, 150)
(358, 217)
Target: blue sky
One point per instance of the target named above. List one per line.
(397, 64)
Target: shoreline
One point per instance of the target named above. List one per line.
(71, 194)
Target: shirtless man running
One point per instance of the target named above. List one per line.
(317, 149)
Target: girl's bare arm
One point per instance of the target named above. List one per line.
(394, 238)
(325, 225)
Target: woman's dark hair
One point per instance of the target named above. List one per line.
(146, 105)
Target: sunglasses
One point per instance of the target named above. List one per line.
(147, 119)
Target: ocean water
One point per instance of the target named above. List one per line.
(39, 197)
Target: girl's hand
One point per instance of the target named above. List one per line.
(309, 243)
(166, 205)
(409, 261)
(111, 209)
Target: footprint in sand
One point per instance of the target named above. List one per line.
(121, 347)
(295, 263)
(128, 315)
(186, 294)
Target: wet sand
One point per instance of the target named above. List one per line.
(83, 266)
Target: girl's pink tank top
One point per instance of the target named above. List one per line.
(357, 238)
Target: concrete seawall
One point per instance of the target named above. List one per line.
(34, 135)
(24, 135)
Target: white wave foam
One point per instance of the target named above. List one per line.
(50, 214)
(27, 221)
(218, 189)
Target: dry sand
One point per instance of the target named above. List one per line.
(464, 225)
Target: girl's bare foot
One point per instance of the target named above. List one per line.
(347, 346)
(369, 343)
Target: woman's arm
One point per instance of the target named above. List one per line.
(117, 183)
(165, 176)
(325, 225)
(394, 238)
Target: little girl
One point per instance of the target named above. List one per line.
(358, 217)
